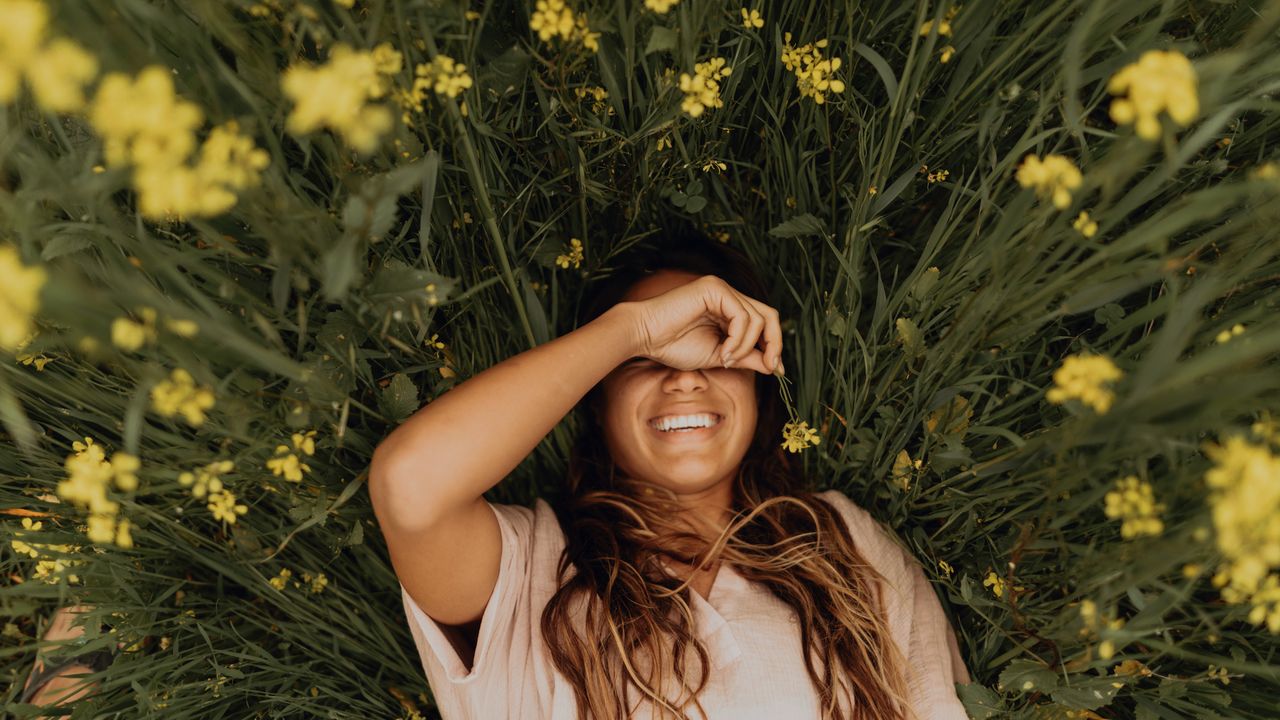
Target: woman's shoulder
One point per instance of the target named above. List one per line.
(875, 539)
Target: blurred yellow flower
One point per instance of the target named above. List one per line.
(336, 94)
(1133, 502)
(1159, 81)
(56, 72)
(1226, 335)
(143, 121)
(946, 53)
(206, 479)
(660, 6)
(1081, 377)
(123, 469)
(752, 19)
(287, 464)
(574, 257)
(797, 436)
(445, 76)
(702, 88)
(1084, 225)
(183, 328)
(815, 75)
(1054, 177)
(944, 28)
(179, 395)
(281, 581)
(305, 442)
(19, 298)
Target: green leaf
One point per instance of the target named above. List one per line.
(1087, 693)
(980, 701)
(806, 224)
(64, 244)
(882, 68)
(399, 398)
(661, 39)
(1024, 676)
(695, 204)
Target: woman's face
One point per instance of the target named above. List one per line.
(699, 465)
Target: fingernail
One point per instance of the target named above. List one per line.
(724, 358)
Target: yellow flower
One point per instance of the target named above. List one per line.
(574, 257)
(713, 164)
(660, 6)
(904, 468)
(223, 506)
(123, 468)
(280, 581)
(752, 19)
(947, 52)
(179, 395)
(1159, 81)
(938, 176)
(994, 582)
(797, 436)
(552, 19)
(288, 465)
(206, 479)
(702, 88)
(946, 567)
(58, 73)
(815, 75)
(305, 442)
(445, 76)
(1081, 377)
(19, 298)
(1084, 225)
(182, 328)
(334, 95)
(944, 28)
(143, 121)
(1134, 503)
(1053, 177)
(1226, 335)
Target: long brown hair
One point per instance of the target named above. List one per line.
(619, 530)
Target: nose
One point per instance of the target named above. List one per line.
(684, 380)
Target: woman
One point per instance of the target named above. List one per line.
(675, 572)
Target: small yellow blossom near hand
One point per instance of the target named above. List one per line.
(752, 19)
(574, 257)
(797, 436)
(1054, 177)
(19, 298)
(1159, 81)
(994, 582)
(1081, 377)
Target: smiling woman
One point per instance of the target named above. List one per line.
(683, 532)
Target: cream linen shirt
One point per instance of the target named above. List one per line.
(752, 638)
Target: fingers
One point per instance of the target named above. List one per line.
(772, 351)
(762, 327)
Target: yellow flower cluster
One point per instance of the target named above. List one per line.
(1081, 377)
(443, 75)
(751, 19)
(287, 463)
(1054, 178)
(279, 582)
(1244, 483)
(702, 88)
(660, 6)
(1134, 503)
(552, 18)
(574, 257)
(815, 75)
(337, 95)
(315, 583)
(142, 122)
(1084, 225)
(224, 507)
(49, 566)
(89, 474)
(19, 298)
(56, 69)
(598, 95)
(1160, 80)
(797, 436)
(27, 358)
(178, 394)
(207, 479)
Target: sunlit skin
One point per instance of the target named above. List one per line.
(701, 474)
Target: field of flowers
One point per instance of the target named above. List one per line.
(1027, 255)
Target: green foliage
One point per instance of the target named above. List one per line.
(348, 289)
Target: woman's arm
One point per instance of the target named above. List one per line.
(455, 448)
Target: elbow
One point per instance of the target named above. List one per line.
(398, 493)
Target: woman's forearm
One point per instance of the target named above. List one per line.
(455, 448)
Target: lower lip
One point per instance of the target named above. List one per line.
(687, 436)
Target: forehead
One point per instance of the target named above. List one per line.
(658, 283)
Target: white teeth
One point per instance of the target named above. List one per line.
(671, 423)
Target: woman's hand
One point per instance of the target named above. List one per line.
(701, 323)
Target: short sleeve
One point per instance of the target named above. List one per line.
(500, 622)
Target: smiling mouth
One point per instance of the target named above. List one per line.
(697, 430)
